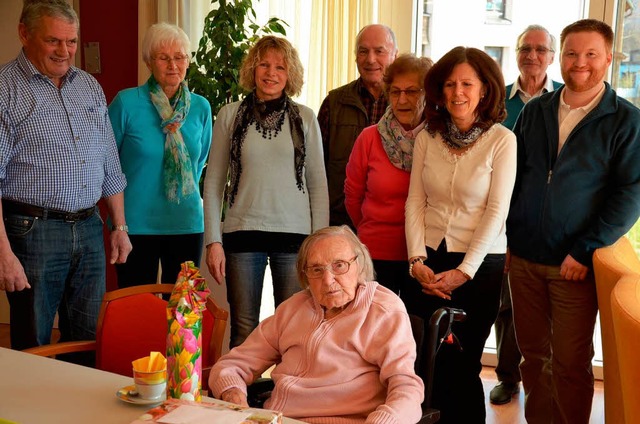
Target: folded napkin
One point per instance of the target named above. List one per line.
(151, 369)
(184, 341)
(154, 362)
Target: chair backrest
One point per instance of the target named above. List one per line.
(610, 264)
(625, 308)
(133, 322)
(214, 326)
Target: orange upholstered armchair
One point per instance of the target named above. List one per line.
(133, 322)
(625, 308)
(610, 264)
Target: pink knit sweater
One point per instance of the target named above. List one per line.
(357, 367)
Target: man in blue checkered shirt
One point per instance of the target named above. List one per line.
(58, 157)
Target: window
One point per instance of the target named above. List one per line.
(496, 54)
(625, 70)
(626, 58)
(495, 10)
(423, 25)
(498, 12)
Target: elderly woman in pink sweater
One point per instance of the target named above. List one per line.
(343, 348)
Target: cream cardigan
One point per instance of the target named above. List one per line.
(463, 199)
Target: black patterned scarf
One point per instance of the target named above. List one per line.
(268, 117)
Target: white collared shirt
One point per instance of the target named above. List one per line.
(568, 118)
(524, 96)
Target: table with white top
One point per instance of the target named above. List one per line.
(35, 390)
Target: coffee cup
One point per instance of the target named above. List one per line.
(150, 385)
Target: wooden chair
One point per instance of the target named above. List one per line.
(133, 322)
(610, 264)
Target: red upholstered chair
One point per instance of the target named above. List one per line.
(133, 322)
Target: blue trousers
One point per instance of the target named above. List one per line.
(65, 265)
(245, 276)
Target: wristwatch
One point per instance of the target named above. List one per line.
(124, 228)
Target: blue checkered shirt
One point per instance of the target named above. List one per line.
(57, 148)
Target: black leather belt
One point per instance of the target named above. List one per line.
(11, 206)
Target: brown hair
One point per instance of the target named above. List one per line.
(406, 63)
(490, 110)
(295, 70)
(589, 25)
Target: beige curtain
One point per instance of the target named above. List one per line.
(323, 32)
(334, 26)
(188, 15)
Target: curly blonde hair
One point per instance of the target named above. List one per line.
(295, 70)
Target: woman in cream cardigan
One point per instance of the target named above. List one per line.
(464, 168)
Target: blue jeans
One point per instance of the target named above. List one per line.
(245, 276)
(65, 265)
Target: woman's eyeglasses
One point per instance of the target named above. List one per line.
(336, 268)
(411, 93)
(179, 60)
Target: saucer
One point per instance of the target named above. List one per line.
(123, 395)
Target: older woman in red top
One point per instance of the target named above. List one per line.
(378, 170)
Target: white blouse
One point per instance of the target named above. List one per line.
(463, 199)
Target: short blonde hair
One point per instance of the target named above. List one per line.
(164, 34)
(365, 264)
(295, 70)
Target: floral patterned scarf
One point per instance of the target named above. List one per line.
(177, 169)
(397, 142)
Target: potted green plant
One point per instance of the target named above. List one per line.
(229, 31)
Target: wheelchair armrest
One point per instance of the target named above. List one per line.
(259, 391)
(429, 416)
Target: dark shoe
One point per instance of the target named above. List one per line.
(502, 393)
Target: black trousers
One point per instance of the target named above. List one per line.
(509, 357)
(457, 387)
(170, 250)
(394, 275)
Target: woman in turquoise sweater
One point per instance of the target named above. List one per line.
(163, 134)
